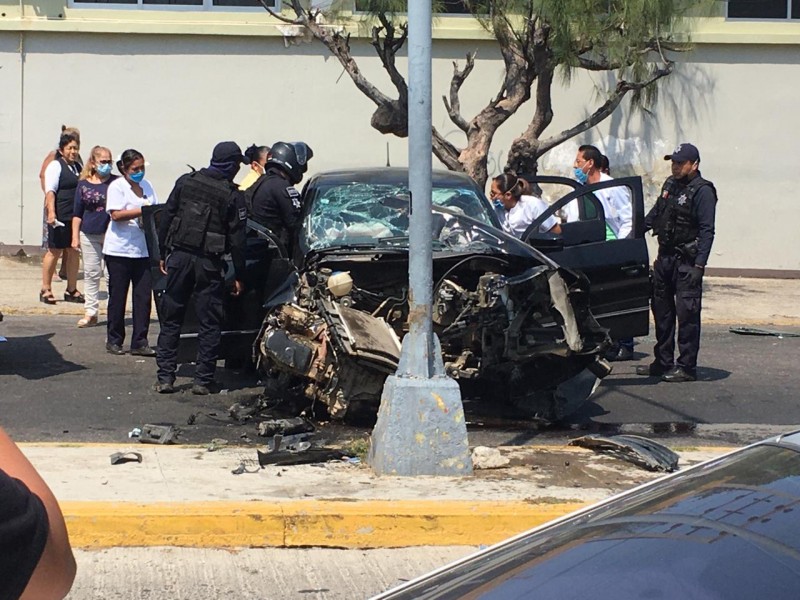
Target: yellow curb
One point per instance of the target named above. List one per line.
(367, 524)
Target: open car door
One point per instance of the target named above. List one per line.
(617, 269)
(267, 267)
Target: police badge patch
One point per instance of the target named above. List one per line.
(682, 200)
(294, 195)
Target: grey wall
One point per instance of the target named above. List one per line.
(174, 97)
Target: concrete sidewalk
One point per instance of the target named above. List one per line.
(734, 301)
(188, 496)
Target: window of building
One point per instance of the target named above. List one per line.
(178, 4)
(764, 9)
(448, 7)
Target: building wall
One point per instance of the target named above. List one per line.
(174, 96)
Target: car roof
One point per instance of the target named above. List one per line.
(390, 175)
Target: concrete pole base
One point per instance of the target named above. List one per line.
(421, 429)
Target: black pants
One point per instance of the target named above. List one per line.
(674, 297)
(122, 272)
(202, 280)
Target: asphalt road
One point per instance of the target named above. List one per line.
(58, 384)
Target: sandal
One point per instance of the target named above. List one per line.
(47, 297)
(74, 296)
(88, 321)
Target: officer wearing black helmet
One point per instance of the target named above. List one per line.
(275, 202)
(683, 220)
(204, 219)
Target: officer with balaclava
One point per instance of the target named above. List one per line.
(683, 220)
(275, 202)
(204, 219)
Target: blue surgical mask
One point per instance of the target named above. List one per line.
(580, 176)
(137, 177)
(104, 170)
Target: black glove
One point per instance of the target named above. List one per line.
(695, 276)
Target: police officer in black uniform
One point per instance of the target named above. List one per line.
(204, 219)
(683, 221)
(275, 203)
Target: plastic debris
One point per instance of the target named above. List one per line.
(242, 468)
(635, 449)
(216, 444)
(119, 458)
(756, 331)
(135, 432)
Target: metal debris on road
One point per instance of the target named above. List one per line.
(285, 427)
(756, 331)
(635, 449)
(135, 432)
(162, 433)
(242, 468)
(119, 458)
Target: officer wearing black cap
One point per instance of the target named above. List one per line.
(683, 221)
(275, 202)
(204, 219)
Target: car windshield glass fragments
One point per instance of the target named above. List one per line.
(369, 215)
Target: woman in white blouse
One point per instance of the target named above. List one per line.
(125, 253)
(517, 210)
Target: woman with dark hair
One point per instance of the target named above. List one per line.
(89, 226)
(257, 155)
(517, 210)
(61, 179)
(125, 253)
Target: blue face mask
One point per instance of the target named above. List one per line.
(498, 205)
(580, 176)
(137, 177)
(104, 170)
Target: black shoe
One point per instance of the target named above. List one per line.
(620, 354)
(114, 349)
(679, 375)
(204, 389)
(143, 351)
(164, 387)
(654, 369)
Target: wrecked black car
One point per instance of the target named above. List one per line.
(324, 319)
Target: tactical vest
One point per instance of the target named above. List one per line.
(676, 224)
(65, 194)
(200, 225)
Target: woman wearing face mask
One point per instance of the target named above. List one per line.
(125, 253)
(516, 210)
(257, 155)
(61, 179)
(89, 226)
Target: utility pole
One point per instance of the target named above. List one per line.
(421, 428)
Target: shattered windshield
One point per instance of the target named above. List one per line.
(374, 214)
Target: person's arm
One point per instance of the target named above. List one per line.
(288, 208)
(170, 212)
(116, 205)
(705, 211)
(624, 212)
(77, 219)
(53, 576)
(237, 233)
(45, 163)
(51, 177)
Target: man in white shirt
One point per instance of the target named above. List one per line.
(616, 201)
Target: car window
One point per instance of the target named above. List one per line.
(360, 213)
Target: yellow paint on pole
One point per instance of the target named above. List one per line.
(367, 524)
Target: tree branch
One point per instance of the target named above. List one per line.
(446, 152)
(339, 46)
(454, 106)
(623, 87)
(386, 50)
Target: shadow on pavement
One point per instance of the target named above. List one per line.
(34, 358)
